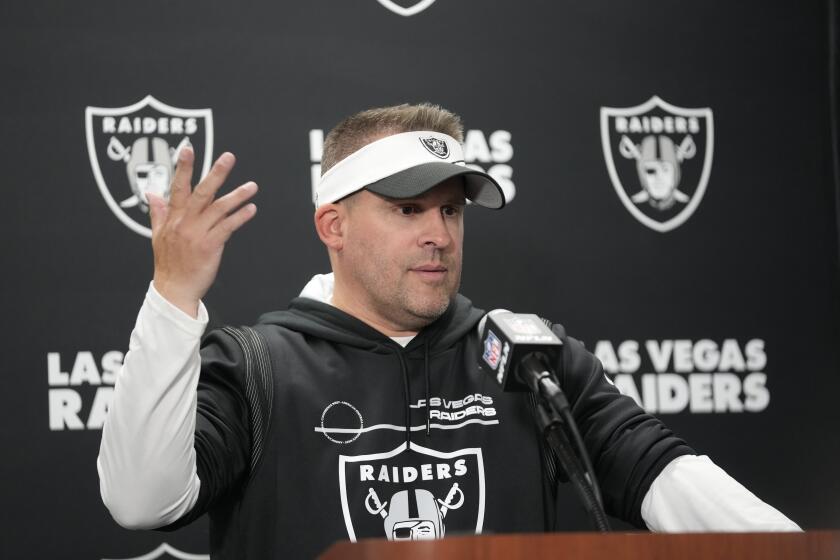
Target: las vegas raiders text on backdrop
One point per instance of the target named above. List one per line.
(133, 151)
(702, 376)
(81, 387)
(659, 158)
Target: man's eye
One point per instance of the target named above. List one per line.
(450, 210)
(407, 210)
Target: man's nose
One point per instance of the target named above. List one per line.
(435, 231)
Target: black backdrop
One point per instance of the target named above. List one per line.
(751, 272)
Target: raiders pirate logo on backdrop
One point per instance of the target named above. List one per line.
(406, 7)
(412, 494)
(133, 151)
(659, 157)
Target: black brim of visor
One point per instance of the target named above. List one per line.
(479, 187)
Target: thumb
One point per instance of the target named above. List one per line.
(158, 210)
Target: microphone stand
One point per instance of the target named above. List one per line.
(554, 419)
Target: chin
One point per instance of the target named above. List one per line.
(431, 310)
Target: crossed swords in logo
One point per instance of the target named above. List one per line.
(374, 506)
(118, 152)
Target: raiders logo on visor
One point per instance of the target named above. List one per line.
(436, 146)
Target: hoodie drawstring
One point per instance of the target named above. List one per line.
(407, 391)
(404, 369)
(428, 392)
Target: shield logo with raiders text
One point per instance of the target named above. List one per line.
(406, 7)
(659, 157)
(133, 151)
(412, 494)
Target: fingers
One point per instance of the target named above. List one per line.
(220, 208)
(157, 211)
(196, 209)
(205, 191)
(182, 181)
(225, 228)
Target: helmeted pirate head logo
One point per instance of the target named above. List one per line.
(665, 159)
(414, 514)
(658, 162)
(412, 494)
(133, 151)
(150, 164)
(436, 146)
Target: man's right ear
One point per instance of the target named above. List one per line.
(329, 223)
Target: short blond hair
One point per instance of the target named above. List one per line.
(359, 130)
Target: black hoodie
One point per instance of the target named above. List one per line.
(364, 438)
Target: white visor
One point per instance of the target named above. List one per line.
(406, 165)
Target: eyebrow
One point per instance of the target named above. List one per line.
(417, 200)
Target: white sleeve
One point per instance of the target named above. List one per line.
(693, 494)
(146, 464)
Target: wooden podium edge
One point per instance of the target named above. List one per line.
(811, 545)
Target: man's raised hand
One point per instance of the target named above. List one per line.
(189, 233)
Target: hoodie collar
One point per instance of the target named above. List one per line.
(320, 288)
(442, 333)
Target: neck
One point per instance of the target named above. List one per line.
(352, 305)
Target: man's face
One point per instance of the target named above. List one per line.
(402, 257)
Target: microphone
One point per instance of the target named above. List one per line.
(518, 349)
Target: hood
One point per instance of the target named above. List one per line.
(312, 313)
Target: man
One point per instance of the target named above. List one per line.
(361, 410)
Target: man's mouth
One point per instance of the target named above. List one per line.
(431, 272)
